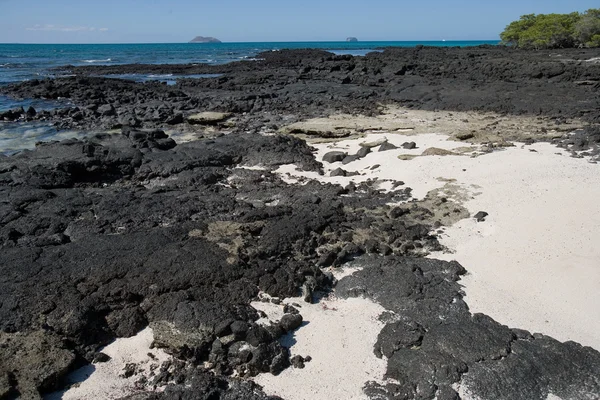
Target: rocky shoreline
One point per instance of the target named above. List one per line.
(105, 236)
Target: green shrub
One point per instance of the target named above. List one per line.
(549, 31)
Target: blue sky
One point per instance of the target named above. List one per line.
(154, 21)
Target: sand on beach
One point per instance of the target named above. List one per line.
(104, 381)
(534, 262)
(339, 336)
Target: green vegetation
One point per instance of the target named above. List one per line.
(550, 31)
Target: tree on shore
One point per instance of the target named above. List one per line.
(548, 31)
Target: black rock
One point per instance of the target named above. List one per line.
(480, 216)
(338, 172)
(176, 119)
(297, 362)
(387, 146)
(363, 151)
(349, 159)
(107, 110)
(289, 309)
(31, 112)
(409, 145)
(101, 358)
(290, 322)
(334, 156)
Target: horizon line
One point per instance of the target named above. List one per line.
(238, 42)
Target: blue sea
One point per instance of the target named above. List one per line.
(20, 62)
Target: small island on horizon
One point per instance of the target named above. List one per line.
(205, 39)
(351, 39)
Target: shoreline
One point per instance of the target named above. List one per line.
(131, 228)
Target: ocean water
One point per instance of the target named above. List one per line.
(20, 62)
(28, 61)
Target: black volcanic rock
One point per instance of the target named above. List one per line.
(129, 233)
(429, 352)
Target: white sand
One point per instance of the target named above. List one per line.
(103, 380)
(339, 336)
(535, 262)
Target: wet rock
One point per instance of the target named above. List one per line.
(31, 112)
(409, 145)
(334, 156)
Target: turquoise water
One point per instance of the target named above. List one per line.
(28, 61)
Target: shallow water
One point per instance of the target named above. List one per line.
(18, 136)
(7, 103)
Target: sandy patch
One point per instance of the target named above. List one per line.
(339, 335)
(534, 263)
(105, 380)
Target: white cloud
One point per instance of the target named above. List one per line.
(62, 28)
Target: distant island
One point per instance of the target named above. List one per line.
(351, 39)
(203, 39)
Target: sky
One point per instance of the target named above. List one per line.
(178, 21)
